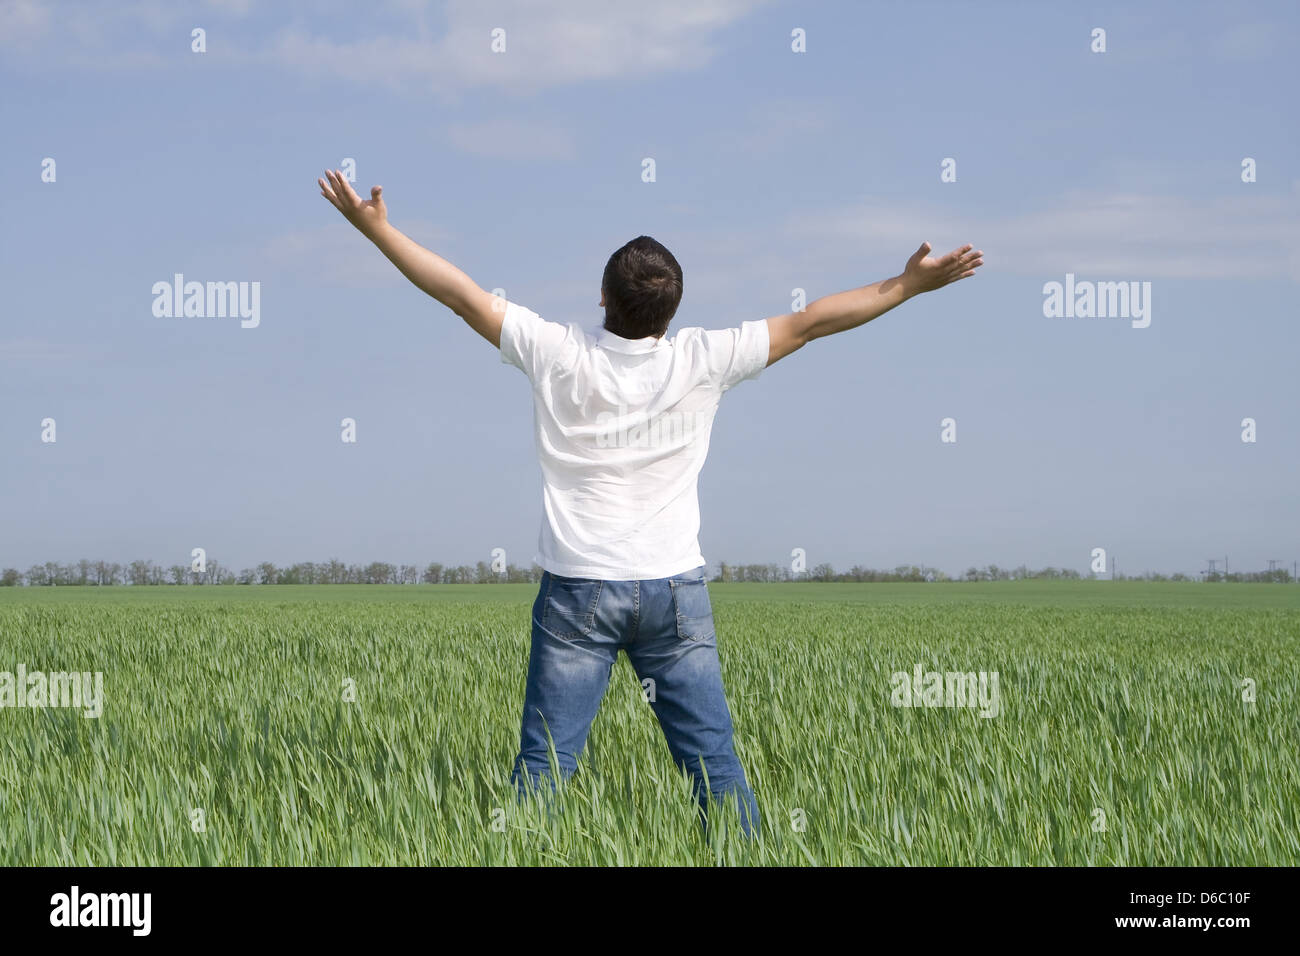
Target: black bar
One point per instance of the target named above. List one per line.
(333, 906)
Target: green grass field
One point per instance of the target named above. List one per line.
(1120, 701)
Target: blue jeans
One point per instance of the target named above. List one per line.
(666, 627)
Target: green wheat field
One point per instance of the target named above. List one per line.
(1122, 738)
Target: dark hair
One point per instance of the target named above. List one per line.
(642, 285)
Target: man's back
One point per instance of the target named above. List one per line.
(622, 429)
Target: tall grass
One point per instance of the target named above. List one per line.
(236, 708)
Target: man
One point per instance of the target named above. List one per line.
(622, 424)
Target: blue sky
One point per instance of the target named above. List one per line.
(775, 170)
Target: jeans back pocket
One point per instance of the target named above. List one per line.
(693, 609)
(569, 608)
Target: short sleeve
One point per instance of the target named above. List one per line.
(529, 342)
(735, 355)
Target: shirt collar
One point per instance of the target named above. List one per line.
(616, 343)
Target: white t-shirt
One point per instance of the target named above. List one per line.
(622, 429)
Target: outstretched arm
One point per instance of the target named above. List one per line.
(847, 310)
(429, 271)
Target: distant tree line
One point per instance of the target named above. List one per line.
(902, 573)
(1276, 576)
(764, 573)
(143, 573)
(860, 575)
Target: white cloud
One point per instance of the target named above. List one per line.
(781, 122)
(399, 45)
(238, 8)
(23, 22)
(547, 44)
(1251, 237)
(127, 34)
(1249, 42)
(41, 352)
(338, 255)
(512, 139)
